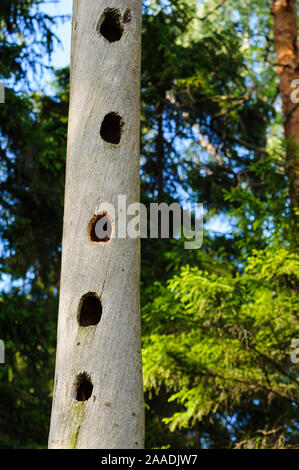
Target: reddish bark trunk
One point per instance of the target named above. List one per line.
(286, 43)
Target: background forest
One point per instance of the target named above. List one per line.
(217, 322)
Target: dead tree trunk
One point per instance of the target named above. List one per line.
(98, 399)
(287, 53)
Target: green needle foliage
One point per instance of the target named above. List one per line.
(221, 346)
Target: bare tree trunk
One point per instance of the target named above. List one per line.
(160, 155)
(286, 42)
(98, 399)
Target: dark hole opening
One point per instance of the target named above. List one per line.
(127, 16)
(90, 310)
(111, 128)
(110, 25)
(100, 229)
(83, 387)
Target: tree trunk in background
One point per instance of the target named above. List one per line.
(160, 155)
(98, 397)
(286, 43)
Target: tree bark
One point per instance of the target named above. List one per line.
(286, 43)
(160, 154)
(98, 398)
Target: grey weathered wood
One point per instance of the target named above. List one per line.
(105, 77)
